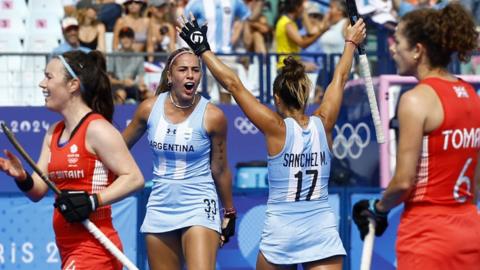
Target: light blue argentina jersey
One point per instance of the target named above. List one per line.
(181, 151)
(220, 15)
(300, 172)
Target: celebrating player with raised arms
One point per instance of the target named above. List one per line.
(300, 227)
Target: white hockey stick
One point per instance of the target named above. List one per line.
(367, 76)
(367, 250)
(92, 228)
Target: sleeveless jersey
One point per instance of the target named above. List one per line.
(300, 225)
(73, 167)
(449, 153)
(301, 170)
(180, 151)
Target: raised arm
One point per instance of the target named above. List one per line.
(264, 119)
(330, 106)
(137, 127)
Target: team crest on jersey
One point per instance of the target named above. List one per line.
(187, 134)
(73, 156)
(460, 91)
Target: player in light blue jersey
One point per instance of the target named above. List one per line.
(300, 227)
(220, 16)
(187, 136)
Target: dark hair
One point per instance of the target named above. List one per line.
(126, 32)
(91, 71)
(164, 86)
(292, 84)
(442, 32)
(287, 6)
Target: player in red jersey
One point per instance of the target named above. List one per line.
(438, 150)
(84, 155)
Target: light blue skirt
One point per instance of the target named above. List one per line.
(300, 232)
(177, 204)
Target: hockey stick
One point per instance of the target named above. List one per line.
(365, 69)
(367, 250)
(90, 226)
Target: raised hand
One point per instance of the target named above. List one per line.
(356, 32)
(12, 166)
(193, 34)
(364, 209)
(76, 205)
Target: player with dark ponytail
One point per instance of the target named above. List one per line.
(85, 157)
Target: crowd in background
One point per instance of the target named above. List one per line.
(235, 26)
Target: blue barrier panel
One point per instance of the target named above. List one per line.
(27, 240)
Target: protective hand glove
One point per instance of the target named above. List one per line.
(195, 36)
(364, 209)
(76, 205)
(228, 229)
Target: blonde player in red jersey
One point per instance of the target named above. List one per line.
(84, 155)
(438, 150)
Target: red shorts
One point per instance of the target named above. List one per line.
(88, 255)
(441, 238)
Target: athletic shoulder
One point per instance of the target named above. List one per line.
(215, 119)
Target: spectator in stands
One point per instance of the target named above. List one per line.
(317, 19)
(403, 6)
(332, 40)
(161, 34)
(71, 39)
(108, 13)
(437, 170)
(69, 8)
(91, 31)
(300, 227)
(287, 35)
(220, 15)
(126, 71)
(257, 33)
(135, 19)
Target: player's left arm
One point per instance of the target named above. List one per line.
(216, 126)
(107, 143)
(412, 113)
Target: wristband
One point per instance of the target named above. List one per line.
(95, 201)
(351, 41)
(229, 212)
(25, 185)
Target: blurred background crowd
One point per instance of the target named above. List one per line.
(138, 35)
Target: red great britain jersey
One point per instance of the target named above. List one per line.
(72, 167)
(449, 153)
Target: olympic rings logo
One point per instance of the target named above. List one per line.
(245, 126)
(350, 141)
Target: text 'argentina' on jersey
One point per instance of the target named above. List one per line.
(172, 147)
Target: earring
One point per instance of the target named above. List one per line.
(169, 84)
(415, 57)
